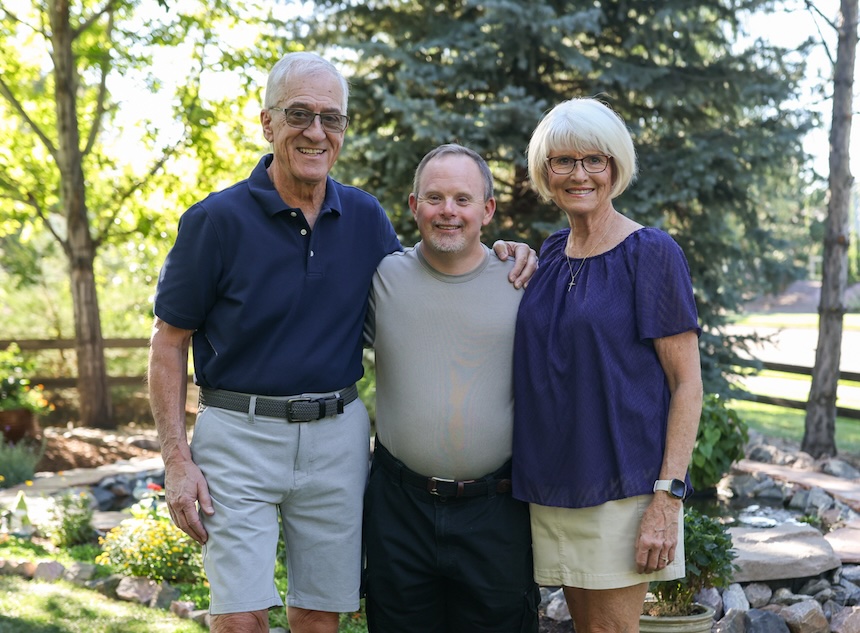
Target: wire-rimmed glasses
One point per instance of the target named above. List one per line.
(564, 165)
(302, 119)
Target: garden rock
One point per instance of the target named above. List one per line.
(784, 551)
(557, 609)
(761, 621)
(201, 616)
(785, 597)
(710, 597)
(846, 621)
(140, 590)
(80, 573)
(734, 598)
(805, 617)
(182, 608)
(49, 571)
(106, 586)
(733, 622)
(758, 594)
(840, 468)
(165, 595)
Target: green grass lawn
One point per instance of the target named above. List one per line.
(789, 424)
(806, 320)
(40, 607)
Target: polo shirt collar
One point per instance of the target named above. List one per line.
(263, 190)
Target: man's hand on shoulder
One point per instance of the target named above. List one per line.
(525, 261)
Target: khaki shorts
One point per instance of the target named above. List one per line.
(594, 548)
(313, 474)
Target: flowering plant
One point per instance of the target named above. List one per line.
(16, 392)
(150, 545)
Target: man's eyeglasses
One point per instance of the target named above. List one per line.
(593, 164)
(302, 119)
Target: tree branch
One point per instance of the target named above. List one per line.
(16, 105)
(104, 69)
(109, 7)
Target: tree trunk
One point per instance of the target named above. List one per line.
(79, 246)
(819, 438)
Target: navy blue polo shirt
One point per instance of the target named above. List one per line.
(277, 309)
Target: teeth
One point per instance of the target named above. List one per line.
(311, 151)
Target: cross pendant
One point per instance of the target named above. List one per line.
(571, 285)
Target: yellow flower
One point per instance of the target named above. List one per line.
(2, 479)
(28, 483)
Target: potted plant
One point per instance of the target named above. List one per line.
(709, 563)
(20, 401)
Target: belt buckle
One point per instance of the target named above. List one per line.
(433, 489)
(293, 401)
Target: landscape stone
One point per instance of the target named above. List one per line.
(182, 608)
(839, 468)
(140, 590)
(80, 573)
(734, 598)
(106, 586)
(763, 621)
(784, 551)
(846, 621)
(165, 594)
(733, 622)
(845, 542)
(49, 571)
(784, 596)
(710, 596)
(805, 617)
(758, 594)
(813, 586)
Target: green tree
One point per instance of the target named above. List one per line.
(718, 140)
(66, 166)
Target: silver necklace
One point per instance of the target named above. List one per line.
(574, 275)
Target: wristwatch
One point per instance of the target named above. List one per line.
(675, 487)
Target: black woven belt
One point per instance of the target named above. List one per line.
(291, 409)
(439, 487)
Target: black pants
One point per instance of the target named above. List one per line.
(446, 565)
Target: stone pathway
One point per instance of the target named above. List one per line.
(44, 485)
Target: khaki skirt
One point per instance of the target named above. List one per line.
(594, 548)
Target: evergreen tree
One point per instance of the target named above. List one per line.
(721, 163)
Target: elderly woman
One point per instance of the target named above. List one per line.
(608, 388)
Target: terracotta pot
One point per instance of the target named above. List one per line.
(700, 622)
(16, 424)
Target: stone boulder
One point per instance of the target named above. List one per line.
(781, 552)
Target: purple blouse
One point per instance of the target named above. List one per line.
(591, 398)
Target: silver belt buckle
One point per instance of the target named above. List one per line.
(434, 490)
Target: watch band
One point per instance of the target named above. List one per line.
(675, 487)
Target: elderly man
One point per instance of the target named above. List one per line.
(268, 280)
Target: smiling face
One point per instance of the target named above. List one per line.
(450, 211)
(580, 192)
(303, 158)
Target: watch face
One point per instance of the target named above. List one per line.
(678, 488)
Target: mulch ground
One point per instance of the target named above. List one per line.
(88, 448)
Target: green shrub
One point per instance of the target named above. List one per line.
(149, 545)
(719, 443)
(18, 461)
(709, 562)
(16, 392)
(71, 520)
